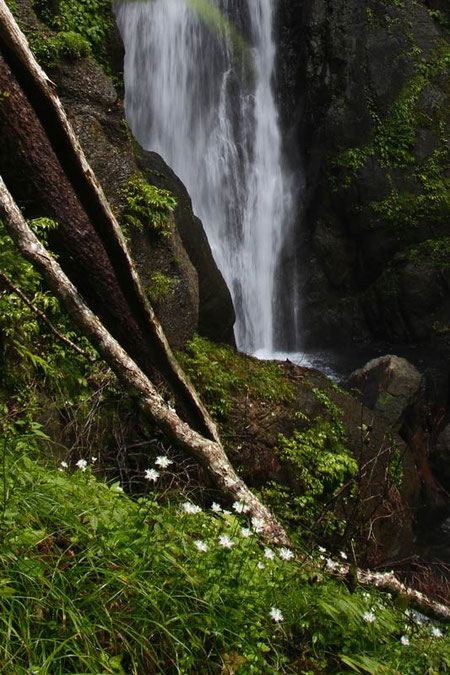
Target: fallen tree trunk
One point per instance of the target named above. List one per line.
(208, 453)
(33, 93)
(388, 582)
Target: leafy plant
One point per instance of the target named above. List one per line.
(161, 286)
(28, 349)
(146, 207)
(90, 20)
(319, 465)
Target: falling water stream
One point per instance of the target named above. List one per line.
(199, 91)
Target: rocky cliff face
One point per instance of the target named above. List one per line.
(365, 93)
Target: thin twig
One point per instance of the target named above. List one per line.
(5, 278)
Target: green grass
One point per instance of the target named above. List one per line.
(93, 581)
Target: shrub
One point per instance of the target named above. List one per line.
(146, 207)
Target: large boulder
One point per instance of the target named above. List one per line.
(170, 267)
(389, 385)
(216, 312)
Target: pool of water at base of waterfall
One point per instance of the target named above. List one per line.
(338, 363)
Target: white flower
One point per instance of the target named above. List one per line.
(270, 555)
(258, 524)
(369, 617)
(276, 615)
(225, 541)
(226, 513)
(404, 640)
(81, 464)
(201, 546)
(331, 564)
(163, 462)
(240, 507)
(191, 508)
(261, 566)
(322, 549)
(151, 474)
(94, 459)
(245, 532)
(343, 555)
(216, 507)
(436, 632)
(285, 554)
(64, 465)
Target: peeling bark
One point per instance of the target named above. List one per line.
(389, 583)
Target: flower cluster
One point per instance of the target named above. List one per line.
(276, 615)
(81, 464)
(163, 462)
(192, 509)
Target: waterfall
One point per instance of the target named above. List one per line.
(198, 81)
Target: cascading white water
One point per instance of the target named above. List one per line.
(198, 80)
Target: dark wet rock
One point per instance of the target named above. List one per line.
(345, 68)
(389, 385)
(97, 116)
(253, 429)
(216, 315)
(442, 457)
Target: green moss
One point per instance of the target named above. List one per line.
(161, 286)
(220, 373)
(12, 4)
(440, 17)
(146, 207)
(393, 146)
(432, 204)
(50, 50)
(395, 135)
